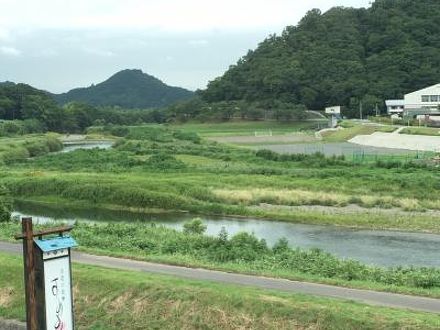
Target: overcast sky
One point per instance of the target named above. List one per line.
(61, 44)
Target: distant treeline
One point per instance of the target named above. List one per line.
(199, 109)
(24, 109)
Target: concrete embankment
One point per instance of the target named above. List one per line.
(399, 141)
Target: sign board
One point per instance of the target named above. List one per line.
(57, 287)
(333, 110)
(54, 290)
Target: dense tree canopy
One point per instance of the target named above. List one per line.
(24, 109)
(342, 57)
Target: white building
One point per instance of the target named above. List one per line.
(422, 102)
(427, 99)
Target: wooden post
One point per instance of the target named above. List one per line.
(29, 273)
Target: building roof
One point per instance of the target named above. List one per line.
(434, 89)
(392, 103)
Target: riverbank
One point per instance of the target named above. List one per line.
(106, 195)
(244, 253)
(102, 296)
(376, 247)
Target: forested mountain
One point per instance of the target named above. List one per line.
(127, 89)
(341, 57)
(25, 109)
(21, 101)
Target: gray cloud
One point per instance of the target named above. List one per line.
(58, 49)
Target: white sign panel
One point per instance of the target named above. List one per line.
(333, 110)
(57, 288)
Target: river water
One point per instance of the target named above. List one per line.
(384, 248)
(68, 147)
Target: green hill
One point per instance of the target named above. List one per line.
(21, 101)
(127, 89)
(341, 57)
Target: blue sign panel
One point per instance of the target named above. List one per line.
(57, 243)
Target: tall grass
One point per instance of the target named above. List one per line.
(295, 197)
(115, 299)
(13, 150)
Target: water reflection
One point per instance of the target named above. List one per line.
(88, 145)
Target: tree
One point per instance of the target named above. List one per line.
(5, 205)
(342, 56)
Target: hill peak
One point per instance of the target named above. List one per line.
(129, 88)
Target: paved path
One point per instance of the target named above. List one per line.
(362, 296)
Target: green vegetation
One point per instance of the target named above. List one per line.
(421, 131)
(243, 252)
(226, 110)
(129, 89)
(244, 128)
(159, 168)
(110, 299)
(24, 110)
(347, 133)
(305, 65)
(5, 205)
(20, 149)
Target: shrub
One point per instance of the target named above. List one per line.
(5, 205)
(189, 136)
(36, 148)
(281, 245)
(164, 161)
(195, 226)
(267, 154)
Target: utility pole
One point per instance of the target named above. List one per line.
(377, 111)
(360, 109)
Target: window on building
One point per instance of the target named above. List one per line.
(434, 98)
(425, 98)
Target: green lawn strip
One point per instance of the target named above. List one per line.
(429, 131)
(244, 128)
(243, 254)
(113, 299)
(348, 133)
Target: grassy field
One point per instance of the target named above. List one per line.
(421, 131)
(246, 128)
(111, 299)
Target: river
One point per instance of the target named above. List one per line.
(384, 248)
(68, 147)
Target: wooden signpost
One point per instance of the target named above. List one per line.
(47, 277)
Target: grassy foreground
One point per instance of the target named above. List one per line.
(113, 299)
